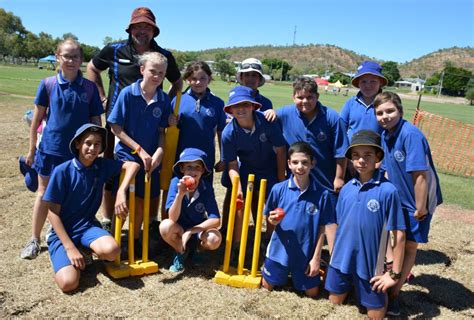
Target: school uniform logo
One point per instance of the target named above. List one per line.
(83, 97)
(200, 208)
(263, 137)
(156, 112)
(311, 209)
(373, 205)
(321, 136)
(399, 155)
(210, 112)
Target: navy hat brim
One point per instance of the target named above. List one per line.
(30, 174)
(102, 131)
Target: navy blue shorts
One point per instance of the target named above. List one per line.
(340, 283)
(277, 275)
(140, 179)
(57, 253)
(45, 163)
(417, 231)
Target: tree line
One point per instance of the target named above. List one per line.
(20, 45)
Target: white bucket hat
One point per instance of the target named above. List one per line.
(248, 65)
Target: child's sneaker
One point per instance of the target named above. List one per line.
(178, 262)
(31, 249)
(393, 308)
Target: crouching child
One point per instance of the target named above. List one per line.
(192, 209)
(74, 194)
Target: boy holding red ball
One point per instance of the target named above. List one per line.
(192, 209)
(299, 209)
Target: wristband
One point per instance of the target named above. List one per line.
(137, 150)
(394, 275)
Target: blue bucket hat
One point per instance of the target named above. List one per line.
(30, 174)
(85, 127)
(189, 155)
(369, 67)
(241, 94)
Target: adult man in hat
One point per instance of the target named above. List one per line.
(121, 58)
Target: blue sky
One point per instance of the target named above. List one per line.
(397, 30)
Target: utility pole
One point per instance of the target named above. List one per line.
(294, 37)
(441, 84)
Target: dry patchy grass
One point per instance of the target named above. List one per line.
(442, 287)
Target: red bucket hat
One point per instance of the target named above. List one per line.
(143, 14)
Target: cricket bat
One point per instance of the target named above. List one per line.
(171, 143)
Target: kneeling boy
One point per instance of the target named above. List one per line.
(368, 208)
(74, 194)
(192, 208)
(295, 245)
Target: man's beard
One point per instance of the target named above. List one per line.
(142, 40)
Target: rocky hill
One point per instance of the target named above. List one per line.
(434, 62)
(318, 58)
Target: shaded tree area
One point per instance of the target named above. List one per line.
(453, 80)
(18, 45)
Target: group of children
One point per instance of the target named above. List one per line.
(372, 213)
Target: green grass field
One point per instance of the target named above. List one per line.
(21, 80)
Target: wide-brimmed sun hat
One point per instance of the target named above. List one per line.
(143, 14)
(369, 67)
(241, 94)
(85, 127)
(189, 155)
(365, 138)
(248, 65)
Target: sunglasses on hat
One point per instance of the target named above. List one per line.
(251, 65)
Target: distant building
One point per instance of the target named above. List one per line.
(414, 84)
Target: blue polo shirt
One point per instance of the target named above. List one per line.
(199, 120)
(407, 150)
(264, 101)
(255, 149)
(141, 121)
(325, 133)
(68, 109)
(199, 208)
(365, 214)
(78, 189)
(359, 116)
(294, 240)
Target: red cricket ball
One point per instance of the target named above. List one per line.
(189, 182)
(280, 213)
(239, 203)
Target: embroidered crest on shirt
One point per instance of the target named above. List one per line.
(321, 136)
(210, 112)
(311, 209)
(399, 155)
(200, 207)
(373, 205)
(157, 112)
(84, 97)
(263, 137)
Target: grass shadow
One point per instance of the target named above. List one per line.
(426, 257)
(446, 292)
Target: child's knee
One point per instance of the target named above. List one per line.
(312, 293)
(166, 226)
(212, 239)
(266, 285)
(110, 250)
(67, 279)
(336, 298)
